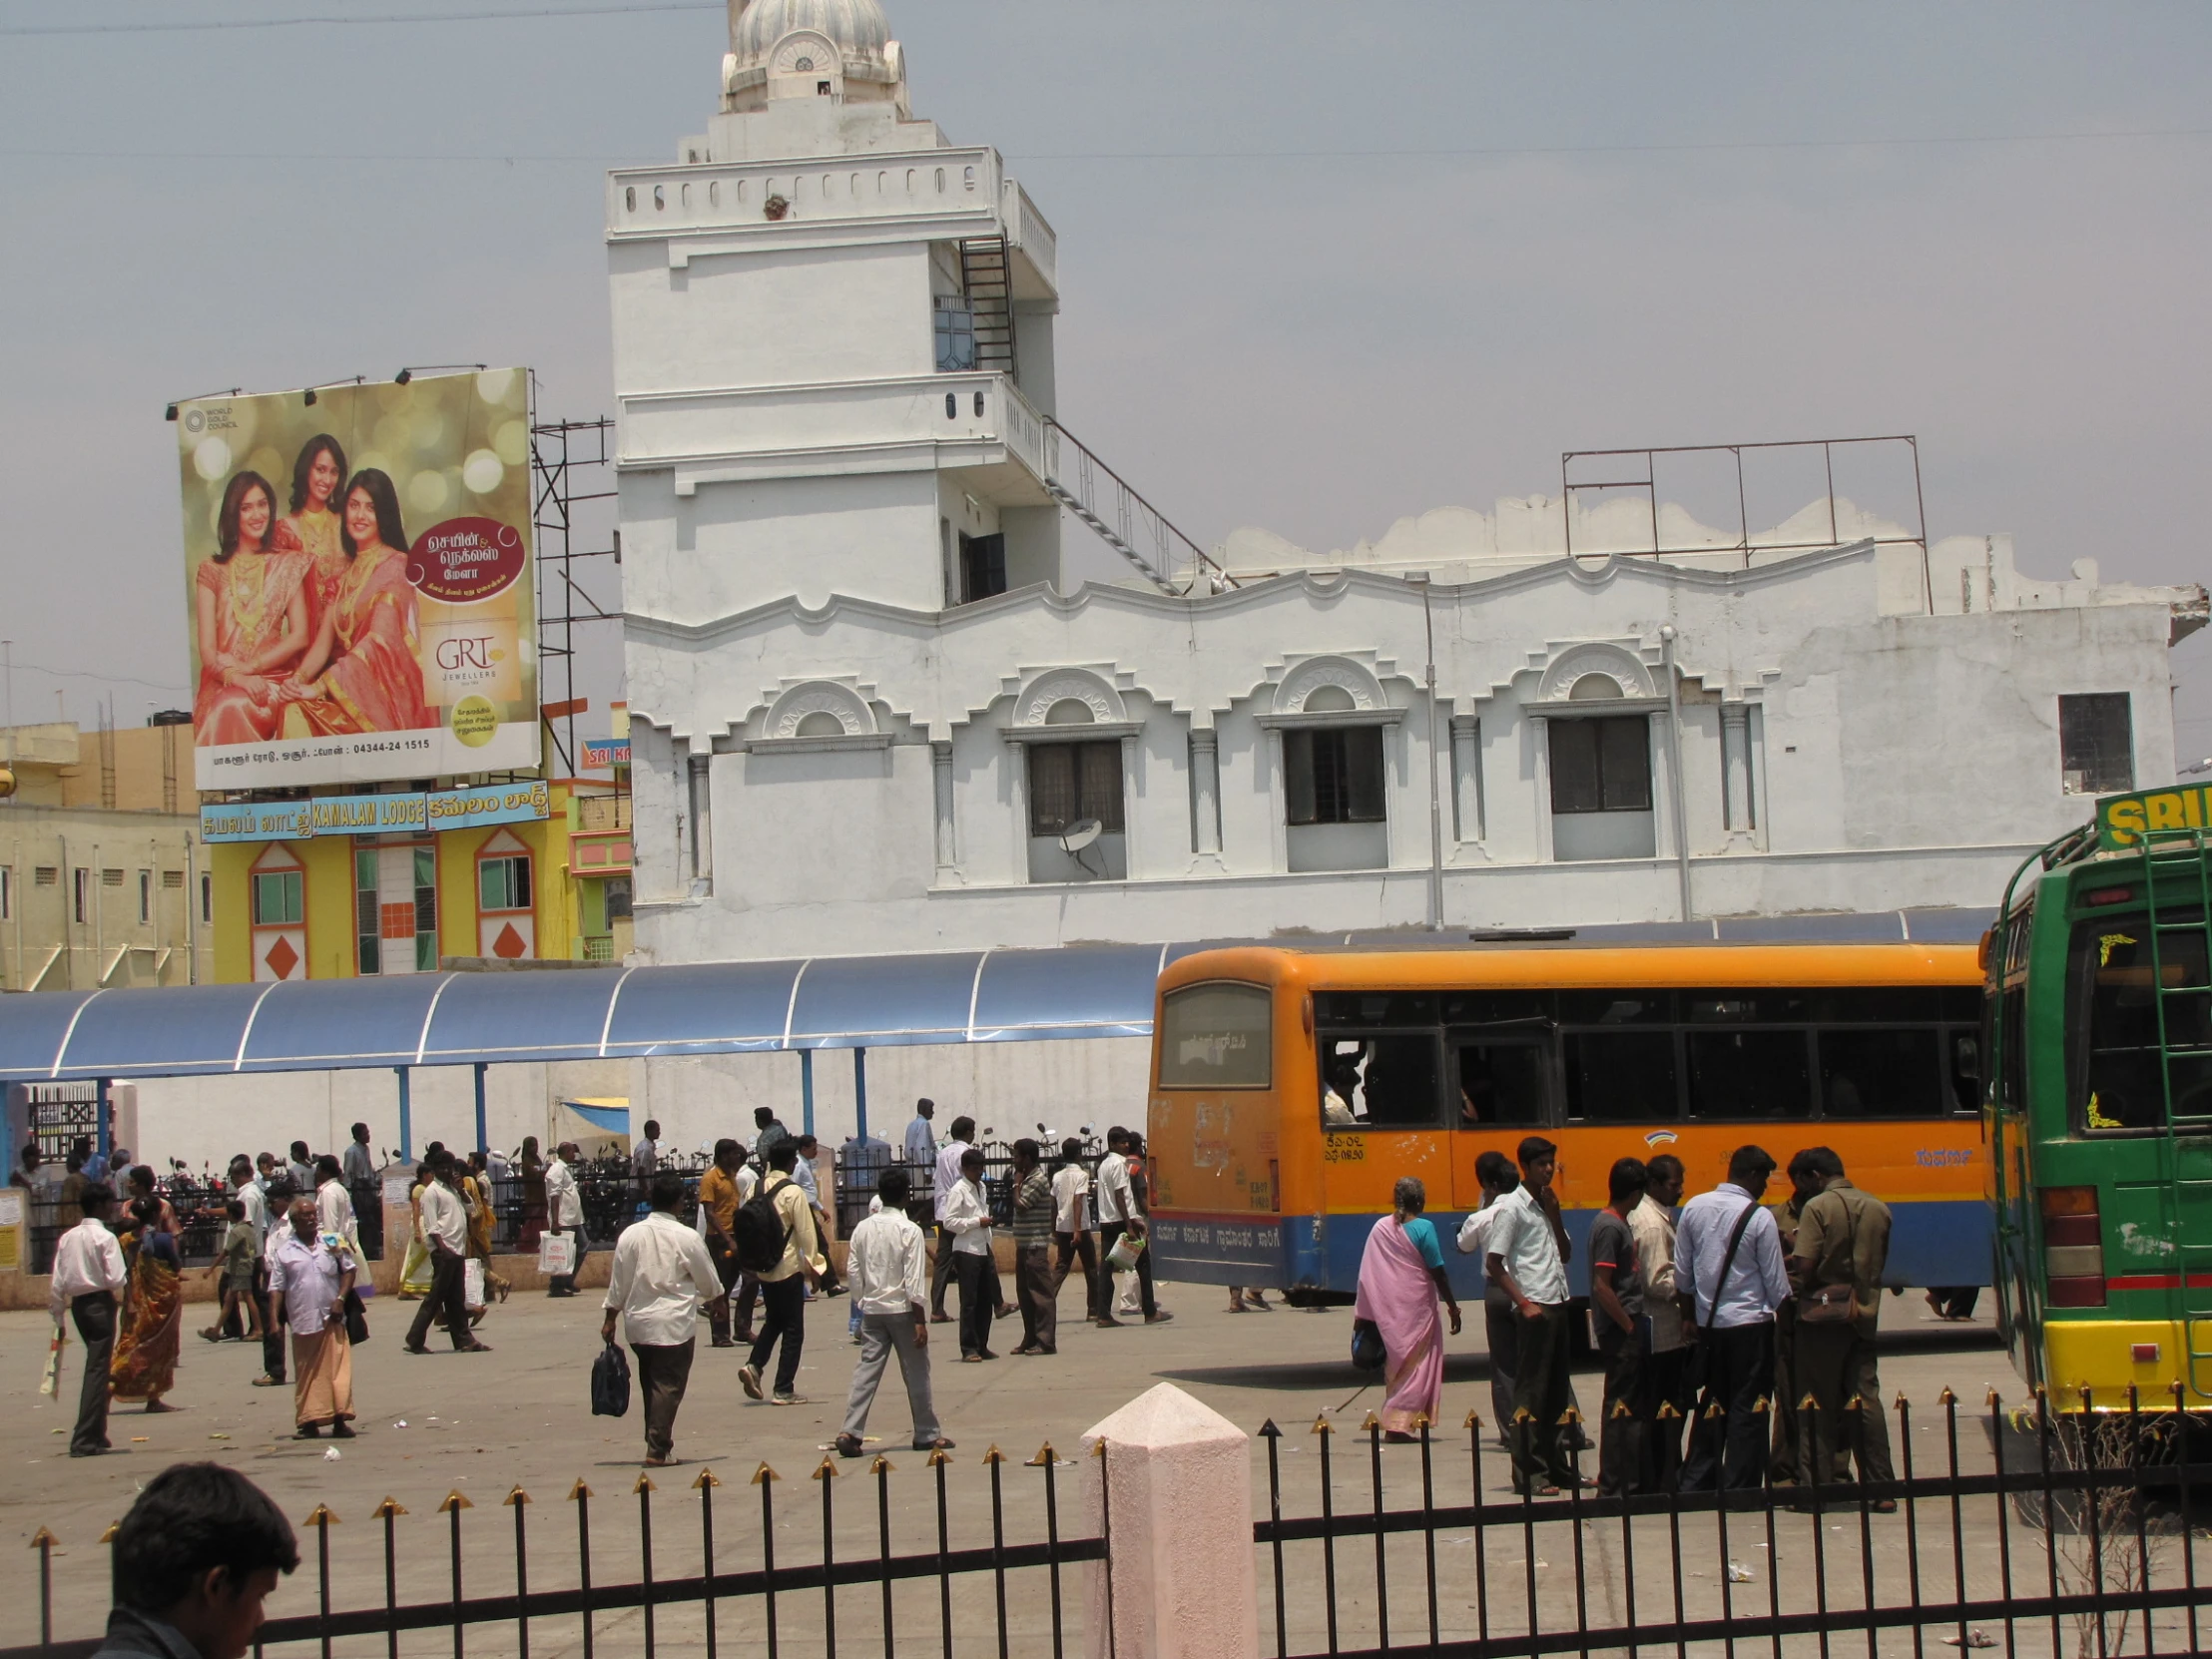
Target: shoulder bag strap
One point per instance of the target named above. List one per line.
(1728, 1260)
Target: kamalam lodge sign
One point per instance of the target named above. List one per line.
(374, 814)
(2125, 820)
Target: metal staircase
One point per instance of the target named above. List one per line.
(987, 276)
(1124, 520)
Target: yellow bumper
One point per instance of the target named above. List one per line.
(2102, 1355)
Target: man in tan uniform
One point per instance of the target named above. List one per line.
(1842, 1242)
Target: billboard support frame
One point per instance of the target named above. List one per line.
(566, 454)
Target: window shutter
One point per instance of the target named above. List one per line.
(1362, 772)
(1574, 774)
(1625, 745)
(1100, 793)
(1051, 788)
(1297, 776)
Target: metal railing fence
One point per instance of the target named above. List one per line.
(881, 1596)
(2075, 1543)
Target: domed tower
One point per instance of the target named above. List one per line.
(832, 336)
(835, 49)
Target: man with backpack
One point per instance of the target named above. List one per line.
(777, 1243)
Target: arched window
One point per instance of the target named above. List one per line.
(820, 723)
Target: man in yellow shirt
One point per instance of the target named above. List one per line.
(718, 1208)
(783, 1287)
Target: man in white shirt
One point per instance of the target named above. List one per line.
(445, 1230)
(1525, 1254)
(944, 1177)
(1118, 1213)
(564, 1214)
(967, 1217)
(1071, 1222)
(662, 1272)
(88, 1276)
(334, 1206)
(1737, 1295)
(1500, 1318)
(277, 1196)
(887, 1265)
(922, 1136)
(1666, 1366)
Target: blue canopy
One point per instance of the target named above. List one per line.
(443, 1019)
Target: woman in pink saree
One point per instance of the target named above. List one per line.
(251, 611)
(1402, 1275)
(362, 673)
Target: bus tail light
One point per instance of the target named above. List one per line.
(2073, 1247)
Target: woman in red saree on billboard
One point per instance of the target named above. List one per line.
(362, 673)
(251, 610)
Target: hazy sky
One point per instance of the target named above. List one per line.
(1322, 265)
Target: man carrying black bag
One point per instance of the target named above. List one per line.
(661, 1273)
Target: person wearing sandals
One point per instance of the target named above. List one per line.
(887, 1266)
(310, 1272)
(661, 1277)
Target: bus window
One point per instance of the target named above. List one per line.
(1372, 1010)
(2120, 1081)
(1621, 1077)
(1501, 1083)
(1378, 1082)
(1216, 1036)
(1749, 1074)
(1881, 1074)
(1965, 1050)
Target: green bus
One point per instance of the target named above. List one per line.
(2098, 1105)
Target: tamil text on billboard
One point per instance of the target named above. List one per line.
(361, 582)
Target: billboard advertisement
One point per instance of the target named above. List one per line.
(358, 572)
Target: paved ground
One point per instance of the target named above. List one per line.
(482, 1424)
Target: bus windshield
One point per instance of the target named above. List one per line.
(1216, 1036)
(2119, 1066)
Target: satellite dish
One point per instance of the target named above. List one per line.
(1080, 835)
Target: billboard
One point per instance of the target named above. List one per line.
(359, 582)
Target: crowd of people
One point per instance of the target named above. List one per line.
(1719, 1316)
(289, 1264)
(756, 1256)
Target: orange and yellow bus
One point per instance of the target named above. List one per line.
(1291, 1087)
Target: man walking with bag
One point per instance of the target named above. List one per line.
(1729, 1251)
(889, 1272)
(1843, 1245)
(446, 1228)
(661, 1273)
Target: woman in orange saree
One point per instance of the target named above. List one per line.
(311, 526)
(146, 1349)
(251, 611)
(363, 673)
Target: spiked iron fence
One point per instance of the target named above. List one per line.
(2078, 1542)
(764, 1606)
(2034, 1529)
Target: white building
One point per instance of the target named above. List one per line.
(868, 715)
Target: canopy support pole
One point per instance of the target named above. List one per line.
(407, 1116)
(483, 1140)
(807, 1091)
(860, 1094)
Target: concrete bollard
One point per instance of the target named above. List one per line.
(1175, 1508)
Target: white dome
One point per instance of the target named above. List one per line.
(856, 28)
